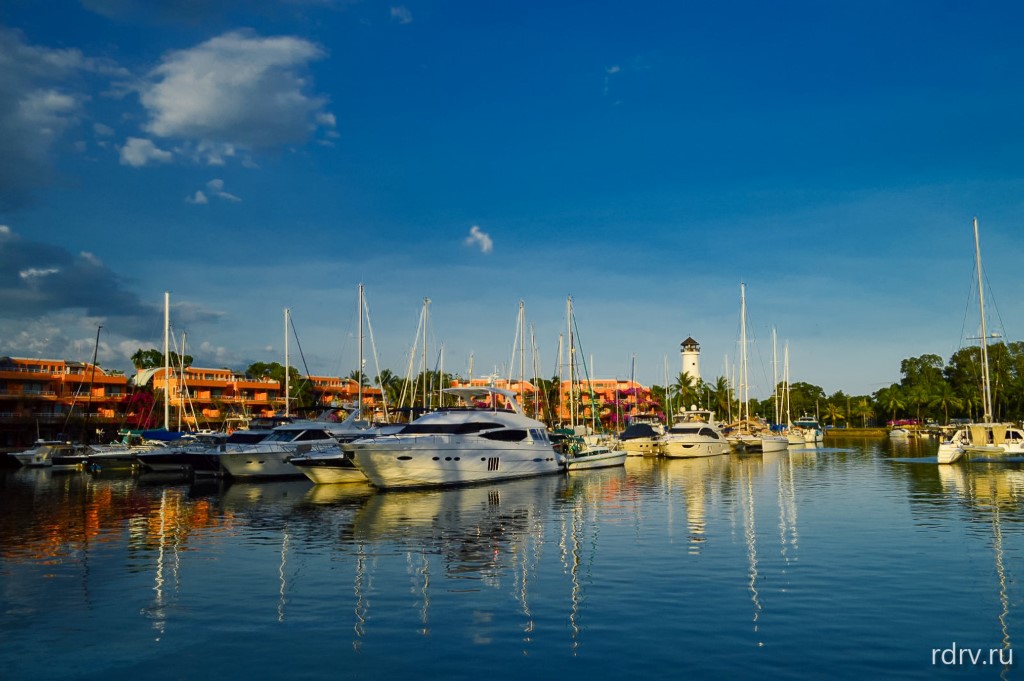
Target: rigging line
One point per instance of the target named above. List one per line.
(376, 360)
(407, 387)
(305, 379)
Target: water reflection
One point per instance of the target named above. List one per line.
(992, 492)
(563, 566)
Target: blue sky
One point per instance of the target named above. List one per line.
(645, 158)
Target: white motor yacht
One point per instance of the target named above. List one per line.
(271, 456)
(39, 454)
(694, 433)
(642, 437)
(489, 439)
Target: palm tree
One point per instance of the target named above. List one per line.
(945, 397)
(891, 399)
(687, 388)
(862, 408)
(833, 412)
(721, 397)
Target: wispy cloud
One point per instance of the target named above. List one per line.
(608, 73)
(480, 238)
(401, 14)
(41, 98)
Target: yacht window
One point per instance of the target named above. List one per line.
(246, 437)
(281, 436)
(506, 435)
(707, 432)
(447, 428)
(307, 435)
(685, 431)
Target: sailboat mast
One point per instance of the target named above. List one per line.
(522, 351)
(572, 361)
(359, 376)
(775, 374)
(744, 388)
(182, 388)
(167, 360)
(785, 382)
(426, 306)
(986, 386)
(92, 377)
(287, 372)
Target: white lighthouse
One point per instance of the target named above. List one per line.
(691, 358)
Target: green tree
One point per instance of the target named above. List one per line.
(154, 359)
(834, 412)
(891, 399)
(945, 398)
(862, 408)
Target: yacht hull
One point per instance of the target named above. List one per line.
(438, 460)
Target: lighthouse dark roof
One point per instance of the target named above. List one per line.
(689, 341)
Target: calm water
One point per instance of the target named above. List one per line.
(851, 561)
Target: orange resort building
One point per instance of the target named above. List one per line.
(208, 398)
(55, 398)
(611, 401)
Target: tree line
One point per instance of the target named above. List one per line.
(928, 390)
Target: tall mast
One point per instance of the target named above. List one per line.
(785, 382)
(572, 361)
(360, 374)
(287, 372)
(92, 377)
(744, 388)
(426, 307)
(167, 361)
(986, 387)
(775, 375)
(561, 395)
(522, 351)
(181, 380)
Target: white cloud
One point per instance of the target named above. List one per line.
(90, 258)
(216, 188)
(102, 130)
(41, 98)
(137, 152)
(480, 238)
(37, 273)
(235, 90)
(401, 14)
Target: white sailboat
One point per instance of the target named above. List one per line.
(589, 451)
(985, 438)
(745, 436)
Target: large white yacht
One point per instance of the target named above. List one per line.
(459, 445)
(694, 433)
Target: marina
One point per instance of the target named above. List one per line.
(860, 558)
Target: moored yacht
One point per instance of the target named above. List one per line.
(39, 454)
(982, 439)
(271, 456)
(694, 433)
(642, 437)
(459, 445)
(811, 429)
